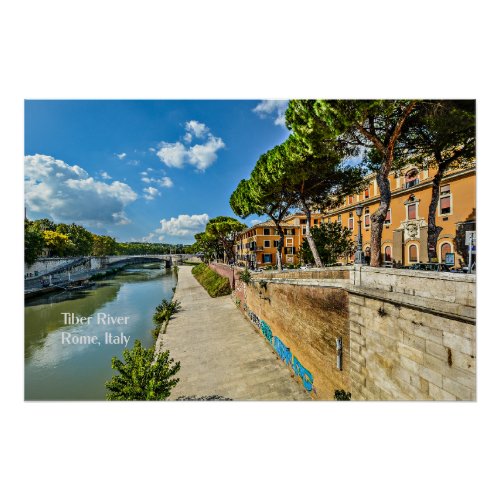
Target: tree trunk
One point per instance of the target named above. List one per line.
(309, 238)
(281, 242)
(378, 219)
(434, 231)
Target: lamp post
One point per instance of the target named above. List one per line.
(359, 256)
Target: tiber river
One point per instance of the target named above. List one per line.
(56, 370)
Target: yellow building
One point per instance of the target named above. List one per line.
(256, 246)
(404, 236)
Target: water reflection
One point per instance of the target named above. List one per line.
(55, 370)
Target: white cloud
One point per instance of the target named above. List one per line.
(177, 154)
(121, 156)
(149, 169)
(203, 155)
(146, 179)
(133, 162)
(105, 175)
(67, 193)
(165, 182)
(182, 226)
(151, 193)
(172, 154)
(255, 221)
(152, 150)
(198, 129)
(272, 109)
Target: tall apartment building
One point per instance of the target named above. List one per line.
(404, 236)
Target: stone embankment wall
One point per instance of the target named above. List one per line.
(46, 265)
(406, 335)
(413, 335)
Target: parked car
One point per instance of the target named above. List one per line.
(430, 266)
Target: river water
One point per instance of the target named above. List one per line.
(58, 370)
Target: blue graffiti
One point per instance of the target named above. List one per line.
(266, 331)
(283, 351)
(305, 375)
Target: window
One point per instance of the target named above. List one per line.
(289, 242)
(267, 231)
(367, 217)
(267, 243)
(351, 199)
(303, 221)
(290, 231)
(411, 178)
(275, 243)
(303, 230)
(388, 217)
(367, 193)
(315, 221)
(413, 253)
(412, 211)
(445, 248)
(387, 254)
(350, 224)
(445, 200)
(268, 258)
(339, 219)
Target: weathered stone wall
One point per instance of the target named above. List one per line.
(406, 335)
(46, 265)
(458, 288)
(402, 351)
(302, 324)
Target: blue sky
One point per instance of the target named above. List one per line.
(154, 170)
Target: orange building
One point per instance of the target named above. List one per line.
(257, 246)
(404, 236)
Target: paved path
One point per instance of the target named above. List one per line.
(220, 352)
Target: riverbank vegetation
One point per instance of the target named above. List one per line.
(164, 311)
(213, 283)
(142, 376)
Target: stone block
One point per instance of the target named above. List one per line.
(439, 394)
(458, 390)
(357, 377)
(458, 342)
(410, 365)
(414, 341)
(437, 350)
(356, 299)
(431, 375)
(401, 374)
(464, 362)
(358, 358)
(410, 352)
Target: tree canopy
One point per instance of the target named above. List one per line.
(332, 241)
(362, 129)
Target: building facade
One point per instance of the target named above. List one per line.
(404, 236)
(256, 247)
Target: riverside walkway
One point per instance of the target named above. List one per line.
(220, 352)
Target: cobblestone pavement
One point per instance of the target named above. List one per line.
(220, 352)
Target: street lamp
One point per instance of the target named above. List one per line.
(359, 257)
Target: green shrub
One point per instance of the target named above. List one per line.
(142, 377)
(245, 276)
(213, 283)
(165, 310)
